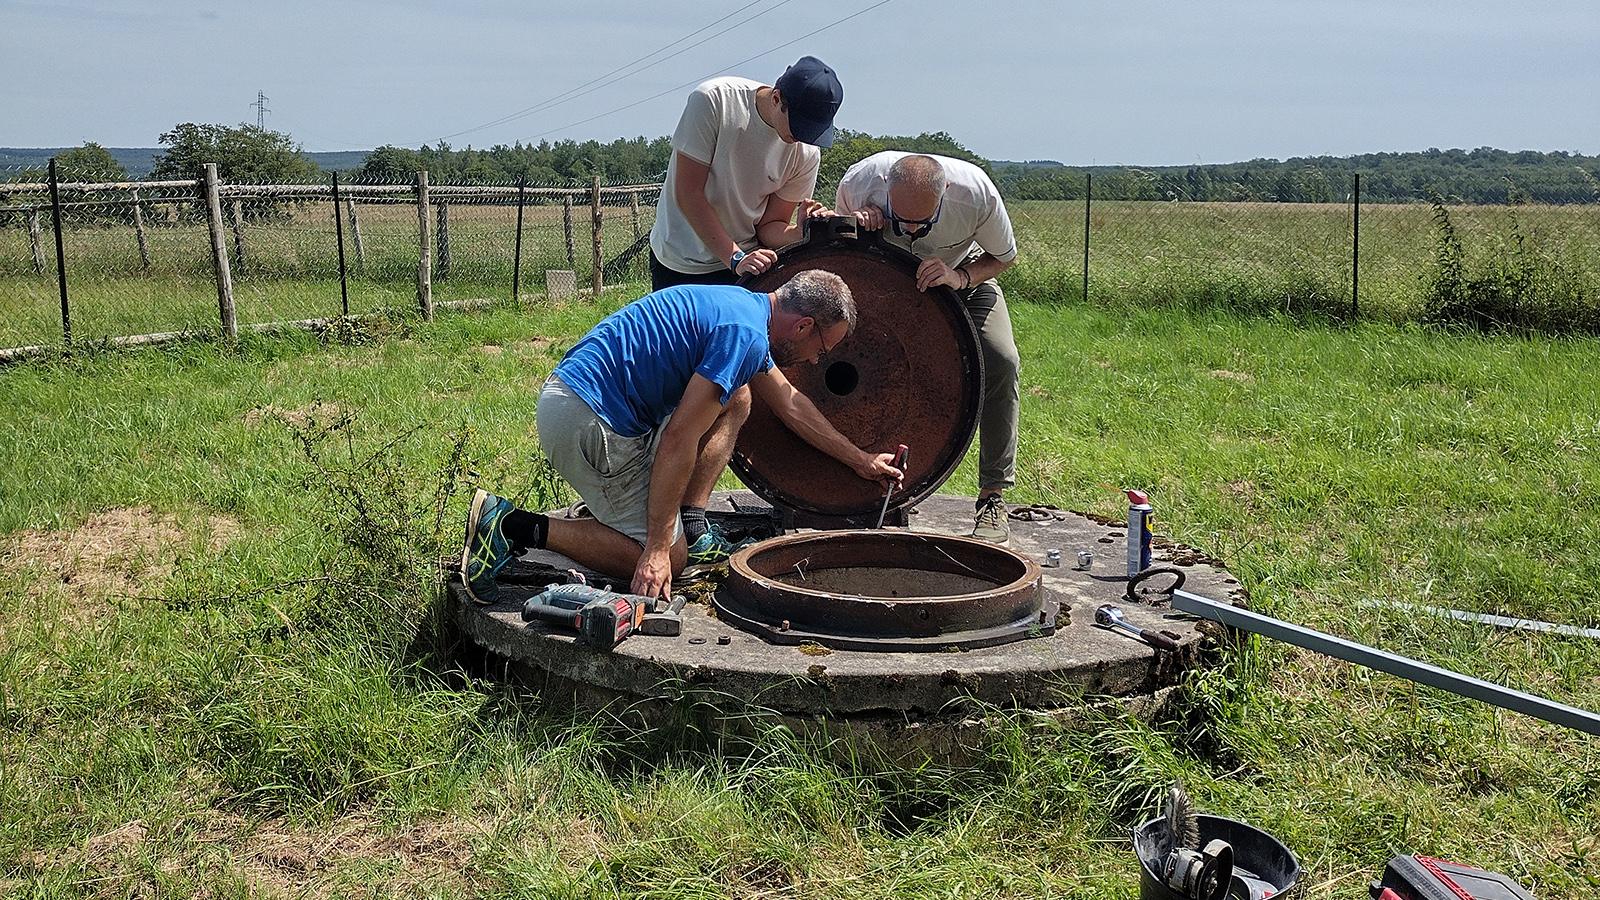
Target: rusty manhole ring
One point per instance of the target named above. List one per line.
(885, 590)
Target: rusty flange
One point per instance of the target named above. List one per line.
(885, 590)
(911, 373)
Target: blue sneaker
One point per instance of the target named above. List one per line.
(712, 548)
(487, 550)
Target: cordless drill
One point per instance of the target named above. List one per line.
(602, 618)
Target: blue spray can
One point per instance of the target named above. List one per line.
(1139, 518)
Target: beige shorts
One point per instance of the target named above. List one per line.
(610, 472)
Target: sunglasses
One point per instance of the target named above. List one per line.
(912, 227)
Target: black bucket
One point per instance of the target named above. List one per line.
(1262, 866)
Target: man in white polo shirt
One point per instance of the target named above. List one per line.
(744, 157)
(949, 213)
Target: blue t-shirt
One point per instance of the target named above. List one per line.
(633, 367)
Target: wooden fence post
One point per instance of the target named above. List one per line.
(424, 252)
(219, 253)
(599, 263)
(355, 237)
(633, 203)
(566, 218)
(138, 228)
(443, 240)
(238, 238)
(36, 240)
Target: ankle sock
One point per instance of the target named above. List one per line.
(525, 530)
(694, 522)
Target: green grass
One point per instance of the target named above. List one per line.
(223, 670)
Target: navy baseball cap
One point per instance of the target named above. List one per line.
(813, 94)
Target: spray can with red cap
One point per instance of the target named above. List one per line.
(1140, 515)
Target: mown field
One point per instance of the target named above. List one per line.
(224, 670)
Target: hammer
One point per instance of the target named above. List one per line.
(1111, 617)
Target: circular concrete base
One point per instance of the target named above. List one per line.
(735, 670)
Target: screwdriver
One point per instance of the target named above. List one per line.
(899, 463)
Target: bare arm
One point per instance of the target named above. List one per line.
(689, 190)
(776, 229)
(669, 478)
(802, 417)
(934, 271)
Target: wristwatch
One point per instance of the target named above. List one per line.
(734, 262)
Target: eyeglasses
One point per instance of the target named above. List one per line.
(918, 225)
(825, 348)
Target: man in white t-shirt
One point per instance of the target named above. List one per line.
(949, 213)
(744, 157)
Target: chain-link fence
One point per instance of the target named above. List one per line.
(172, 256)
(152, 258)
(1519, 263)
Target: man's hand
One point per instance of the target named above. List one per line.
(880, 468)
(652, 577)
(813, 209)
(756, 261)
(870, 217)
(933, 271)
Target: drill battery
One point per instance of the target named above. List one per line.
(1426, 878)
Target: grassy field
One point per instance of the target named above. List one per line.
(224, 673)
(1528, 267)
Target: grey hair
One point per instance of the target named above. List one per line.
(820, 295)
(920, 173)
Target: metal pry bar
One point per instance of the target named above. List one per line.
(1405, 667)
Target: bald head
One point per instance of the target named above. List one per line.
(916, 185)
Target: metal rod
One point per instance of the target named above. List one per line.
(338, 230)
(516, 255)
(61, 255)
(1088, 192)
(1410, 669)
(1462, 615)
(1355, 254)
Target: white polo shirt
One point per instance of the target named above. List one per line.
(972, 216)
(749, 163)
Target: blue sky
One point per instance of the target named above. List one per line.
(1152, 82)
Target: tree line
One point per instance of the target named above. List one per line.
(1481, 176)
(249, 154)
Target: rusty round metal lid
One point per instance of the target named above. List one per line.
(911, 373)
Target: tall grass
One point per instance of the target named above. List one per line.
(239, 684)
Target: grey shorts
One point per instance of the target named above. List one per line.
(610, 472)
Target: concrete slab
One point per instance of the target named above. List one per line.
(1081, 662)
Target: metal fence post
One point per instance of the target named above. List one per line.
(219, 253)
(61, 255)
(424, 250)
(338, 231)
(566, 220)
(1355, 253)
(1088, 191)
(599, 264)
(516, 253)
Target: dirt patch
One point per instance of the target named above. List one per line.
(276, 859)
(119, 553)
(311, 414)
(1241, 377)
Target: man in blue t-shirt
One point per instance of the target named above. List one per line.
(642, 414)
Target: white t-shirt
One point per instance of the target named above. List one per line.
(972, 215)
(749, 163)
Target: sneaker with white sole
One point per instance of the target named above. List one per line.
(990, 524)
(487, 550)
(712, 548)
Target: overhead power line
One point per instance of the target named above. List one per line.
(621, 72)
(689, 84)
